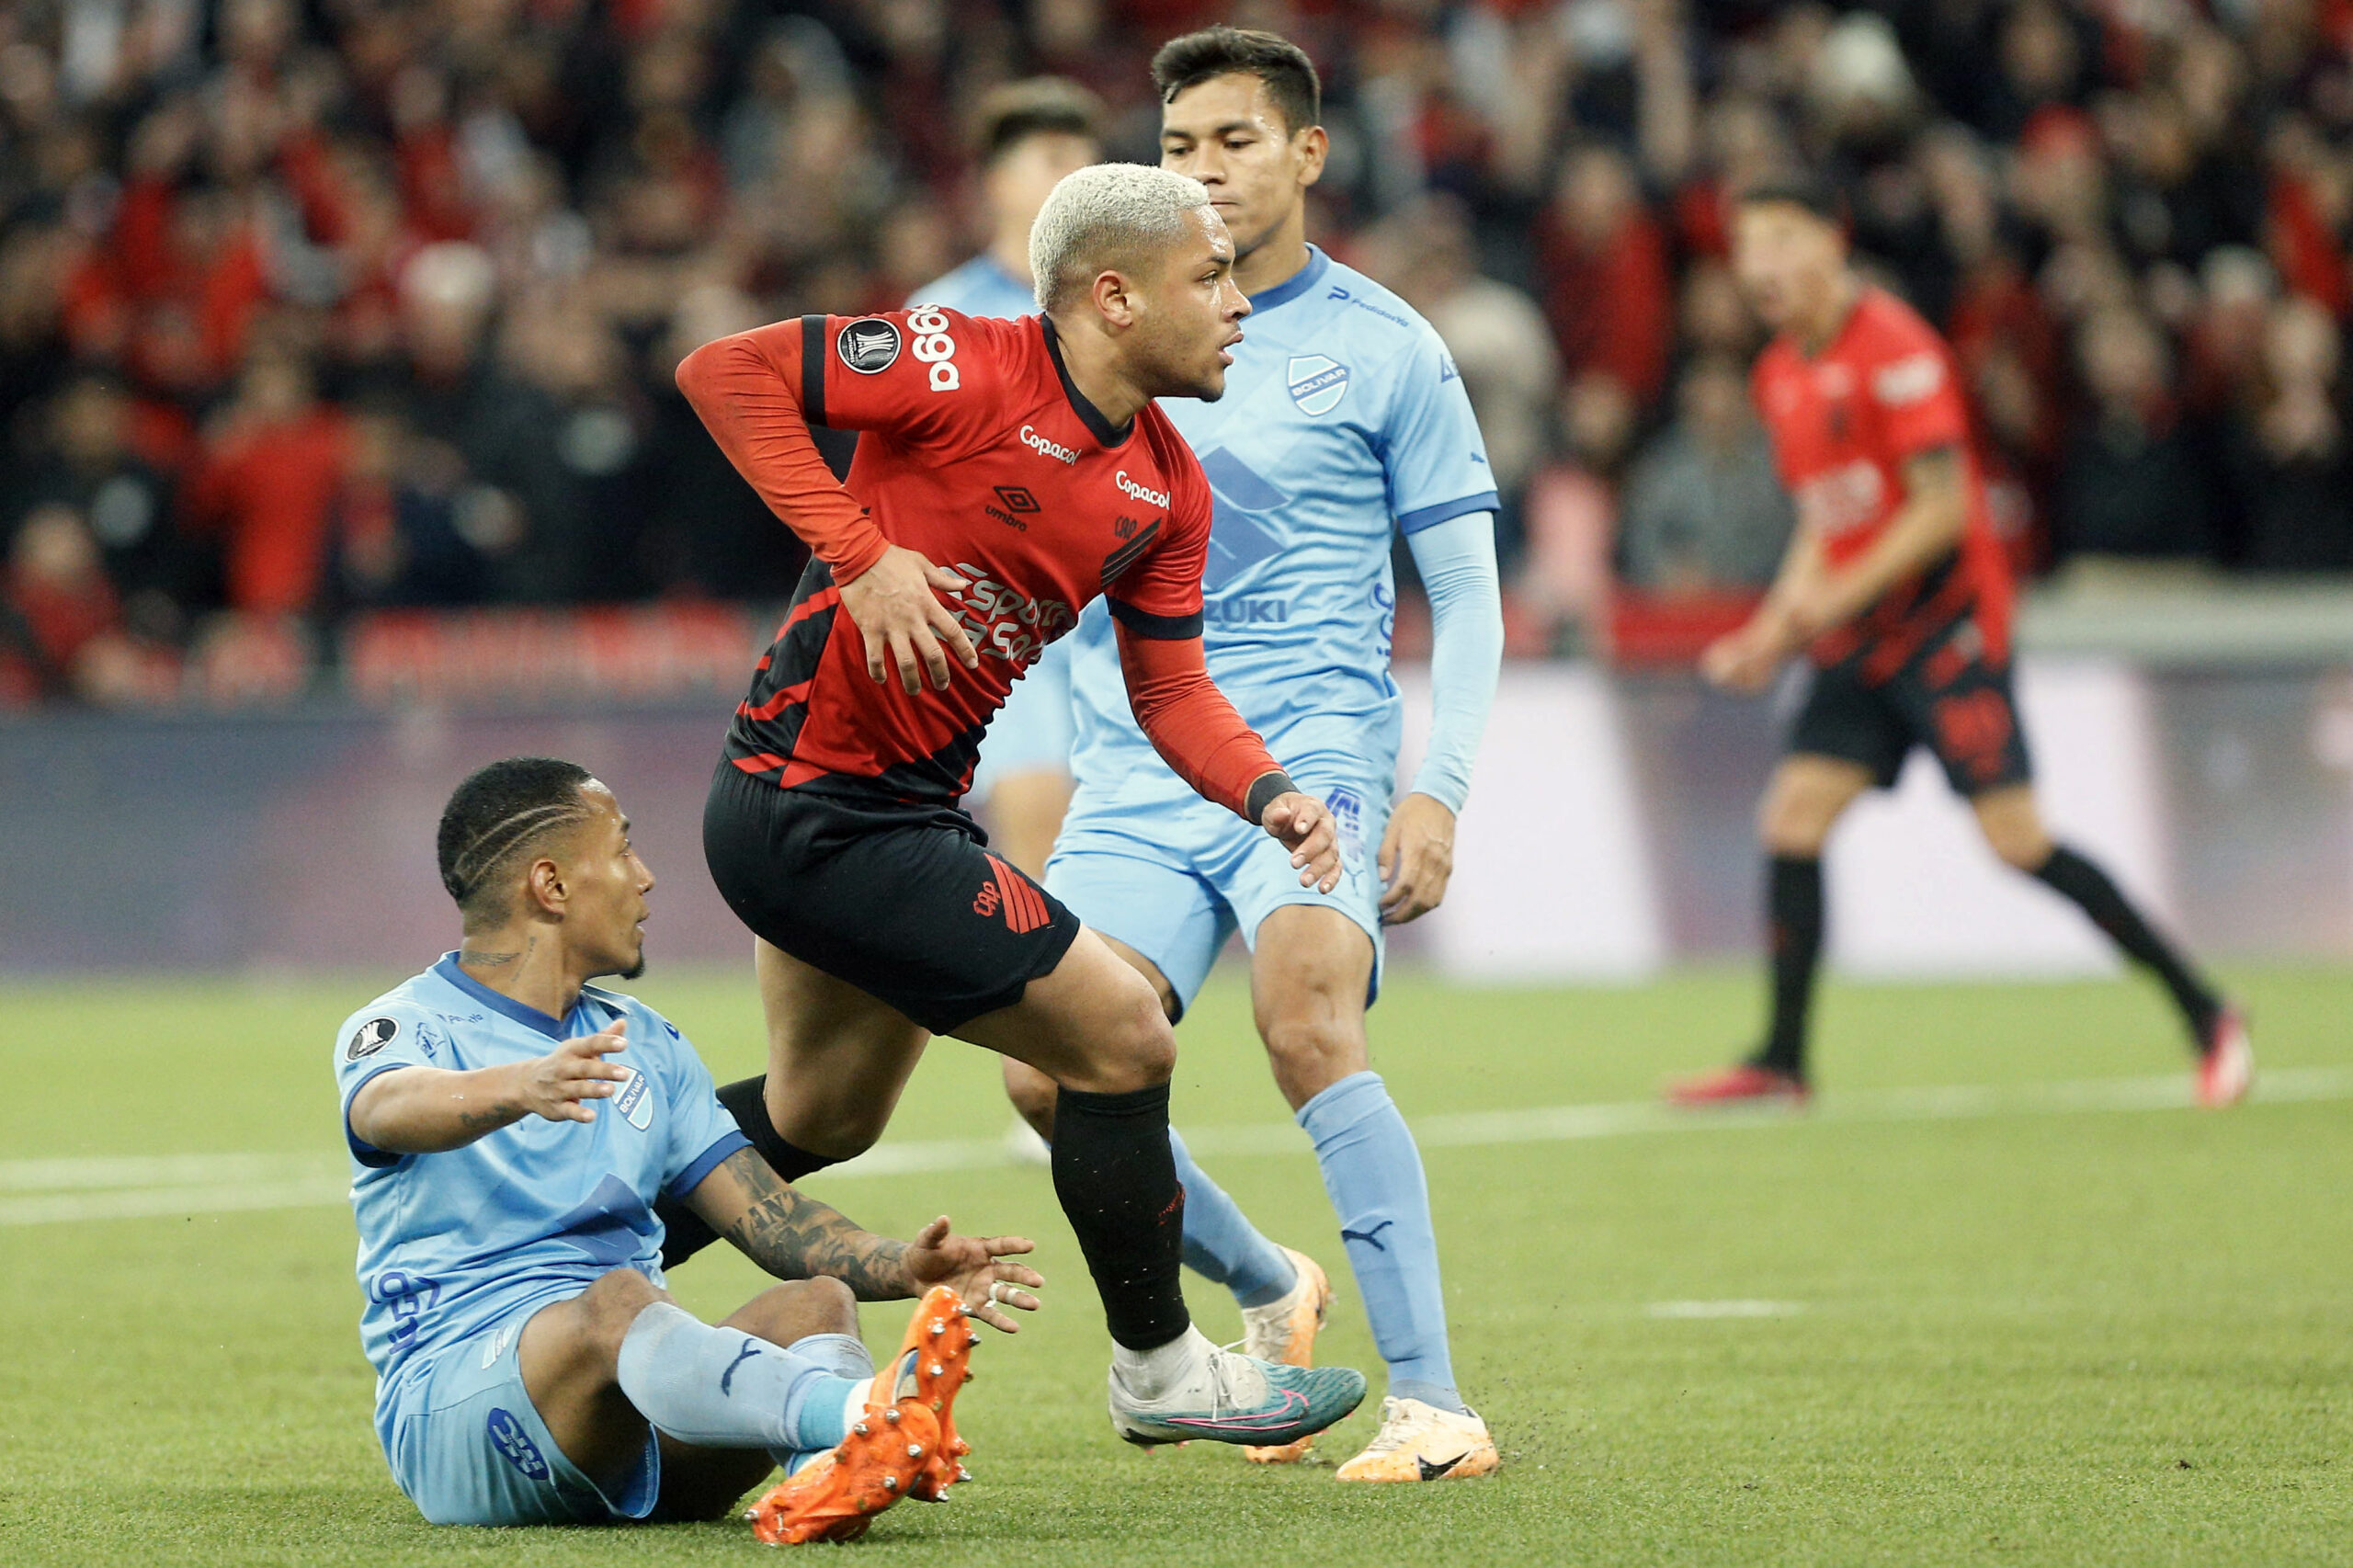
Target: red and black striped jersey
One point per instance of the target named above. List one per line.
(1843, 423)
(981, 454)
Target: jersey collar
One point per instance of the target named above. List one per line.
(498, 1002)
(1105, 433)
(1291, 288)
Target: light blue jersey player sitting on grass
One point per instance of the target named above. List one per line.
(510, 1127)
(1343, 423)
(1030, 134)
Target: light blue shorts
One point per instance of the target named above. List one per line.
(1175, 880)
(467, 1448)
(1033, 732)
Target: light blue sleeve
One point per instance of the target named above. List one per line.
(379, 1037)
(1456, 561)
(1436, 459)
(701, 1133)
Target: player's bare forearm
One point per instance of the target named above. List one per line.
(792, 1235)
(1928, 525)
(430, 1110)
(1800, 573)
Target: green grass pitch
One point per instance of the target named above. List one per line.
(2047, 1325)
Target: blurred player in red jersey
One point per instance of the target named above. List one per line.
(1010, 472)
(1895, 585)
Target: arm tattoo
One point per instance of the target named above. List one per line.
(793, 1236)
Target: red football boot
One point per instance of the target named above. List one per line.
(2225, 1062)
(1749, 1084)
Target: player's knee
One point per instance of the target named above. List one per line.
(612, 1305)
(1794, 822)
(2023, 847)
(823, 1305)
(1142, 1044)
(1297, 1044)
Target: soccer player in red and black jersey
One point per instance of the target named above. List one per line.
(1895, 585)
(1010, 471)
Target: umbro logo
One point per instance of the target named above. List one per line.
(1017, 504)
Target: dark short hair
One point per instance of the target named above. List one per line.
(1290, 75)
(1042, 106)
(1812, 192)
(499, 813)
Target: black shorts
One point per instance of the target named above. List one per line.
(1948, 697)
(900, 900)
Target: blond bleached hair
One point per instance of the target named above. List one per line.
(1103, 217)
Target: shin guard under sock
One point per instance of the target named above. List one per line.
(1117, 1181)
(1372, 1171)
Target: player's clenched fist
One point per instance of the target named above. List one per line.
(895, 606)
(1305, 825)
(556, 1084)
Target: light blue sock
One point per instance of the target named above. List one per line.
(844, 1355)
(1220, 1244)
(1374, 1173)
(721, 1388)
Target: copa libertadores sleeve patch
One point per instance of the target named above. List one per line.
(869, 346)
(370, 1038)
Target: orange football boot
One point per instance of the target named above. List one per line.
(902, 1447)
(934, 1362)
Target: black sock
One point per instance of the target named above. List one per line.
(746, 1101)
(1793, 925)
(1118, 1184)
(2070, 875)
(684, 1233)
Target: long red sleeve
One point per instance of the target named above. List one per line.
(1190, 722)
(748, 390)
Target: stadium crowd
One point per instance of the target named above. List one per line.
(309, 308)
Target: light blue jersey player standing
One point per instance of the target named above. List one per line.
(1031, 134)
(1343, 420)
(510, 1127)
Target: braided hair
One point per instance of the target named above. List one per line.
(500, 812)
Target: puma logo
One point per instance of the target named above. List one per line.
(751, 1348)
(1372, 1239)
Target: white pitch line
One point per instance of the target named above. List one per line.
(1708, 1310)
(77, 1190)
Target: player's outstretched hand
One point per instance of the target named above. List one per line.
(895, 606)
(976, 1270)
(557, 1085)
(1304, 825)
(1416, 858)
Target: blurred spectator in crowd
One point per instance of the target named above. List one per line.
(58, 598)
(1562, 589)
(1609, 298)
(272, 462)
(1703, 509)
(87, 463)
(2287, 449)
(2132, 483)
